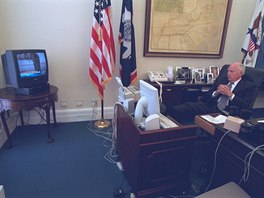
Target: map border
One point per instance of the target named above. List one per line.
(149, 53)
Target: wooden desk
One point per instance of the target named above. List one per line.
(11, 101)
(155, 161)
(173, 94)
(230, 162)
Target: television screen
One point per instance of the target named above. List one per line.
(31, 64)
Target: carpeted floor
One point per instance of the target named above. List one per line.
(73, 166)
(77, 165)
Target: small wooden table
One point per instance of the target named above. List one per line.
(11, 101)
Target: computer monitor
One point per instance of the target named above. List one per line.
(148, 103)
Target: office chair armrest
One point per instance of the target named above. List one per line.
(246, 114)
(242, 113)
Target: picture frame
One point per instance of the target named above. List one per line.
(210, 78)
(183, 73)
(171, 31)
(200, 71)
(214, 70)
(197, 77)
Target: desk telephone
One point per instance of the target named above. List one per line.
(158, 76)
(250, 126)
(253, 131)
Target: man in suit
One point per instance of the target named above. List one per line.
(236, 90)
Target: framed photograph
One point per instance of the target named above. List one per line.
(200, 71)
(193, 29)
(210, 78)
(183, 73)
(197, 77)
(214, 70)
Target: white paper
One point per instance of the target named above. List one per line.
(215, 120)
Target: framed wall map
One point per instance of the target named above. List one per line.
(186, 28)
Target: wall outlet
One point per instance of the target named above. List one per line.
(94, 103)
(63, 103)
(79, 103)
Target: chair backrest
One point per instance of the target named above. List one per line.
(254, 75)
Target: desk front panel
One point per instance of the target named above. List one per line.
(230, 164)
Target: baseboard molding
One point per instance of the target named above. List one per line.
(75, 115)
(69, 115)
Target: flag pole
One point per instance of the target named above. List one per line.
(102, 123)
(102, 48)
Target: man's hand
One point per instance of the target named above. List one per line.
(225, 90)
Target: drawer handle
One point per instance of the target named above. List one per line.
(168, 89)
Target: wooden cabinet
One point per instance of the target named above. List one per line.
(173, 94)
(154, 161)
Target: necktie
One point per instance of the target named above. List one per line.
(222, 102)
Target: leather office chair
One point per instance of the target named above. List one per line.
(254, 75)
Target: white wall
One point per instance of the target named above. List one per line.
(63, 28)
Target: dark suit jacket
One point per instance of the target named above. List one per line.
(243, 93)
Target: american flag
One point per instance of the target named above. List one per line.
(126, 38)
(102, 49)
(254, 36)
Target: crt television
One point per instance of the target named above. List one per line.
(26, 70)
(148, 103)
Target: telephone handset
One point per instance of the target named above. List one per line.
(157, 75)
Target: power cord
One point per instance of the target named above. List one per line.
(247, 162)
(94, 114)
(106, 134)
(160, 92)
(215, 155)
(119, 192)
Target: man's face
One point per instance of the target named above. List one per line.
(234, 73)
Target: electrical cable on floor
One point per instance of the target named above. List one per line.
(109, 136)
(119, 191)
(41, 114)
(94, 114)
(106, 134)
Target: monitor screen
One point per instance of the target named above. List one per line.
(148, 103)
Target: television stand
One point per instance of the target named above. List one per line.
(32, 90)
(9, 100)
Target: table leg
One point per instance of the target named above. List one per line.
(21, 117)
(54, 113)
(3, 121)
(47, 110)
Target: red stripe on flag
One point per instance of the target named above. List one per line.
(102, 49)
